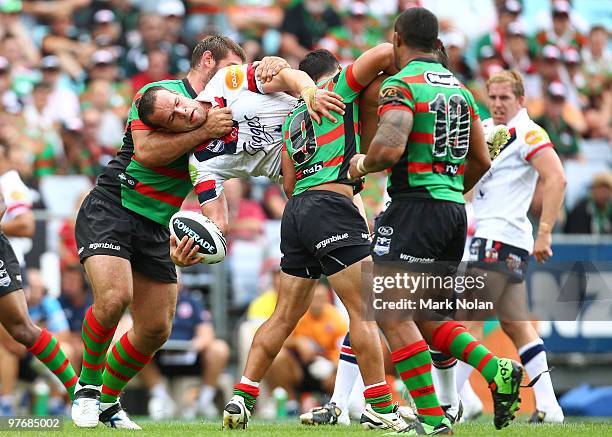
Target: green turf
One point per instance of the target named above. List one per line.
(259, 428)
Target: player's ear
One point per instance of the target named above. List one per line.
(522, 100)
(207, 60)
(397, 41)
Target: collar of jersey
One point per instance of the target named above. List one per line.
(189, 88)
(423, 59)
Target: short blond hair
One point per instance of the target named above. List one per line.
(512, 77)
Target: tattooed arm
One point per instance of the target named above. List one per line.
(388, 144)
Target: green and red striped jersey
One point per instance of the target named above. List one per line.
(322, 152)
(153, 192)
(432, 164)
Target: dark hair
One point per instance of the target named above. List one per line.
(441, 54)
(418, 29)
(319, 63)
(219, 46)
(146, 105)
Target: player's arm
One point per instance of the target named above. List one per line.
(2, 205)
(288, 171)
(21, 225)
(477, 161)
(320, 102)
(368, 66)
(549, 167)
(155, 148)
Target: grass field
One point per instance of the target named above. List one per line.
(577, 427)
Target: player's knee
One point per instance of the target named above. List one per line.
(110, 308)
(23, 331)
(514, 329)
(157, 333)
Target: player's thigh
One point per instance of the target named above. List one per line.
(513, 305)
(110, 278)
(294, 298)
(154, 304)
(347, 282)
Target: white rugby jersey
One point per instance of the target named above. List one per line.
(253, 148)
(503, 196)
(18, 200)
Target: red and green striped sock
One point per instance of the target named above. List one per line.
(379, 397)
(413, 362)
(452, 338)
(122, 364)
(96, 339)
(248, 392)
(47, 349)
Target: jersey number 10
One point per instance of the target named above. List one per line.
(452, 126)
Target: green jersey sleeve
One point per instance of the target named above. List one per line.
(345, 84)
(474, 111)
(395, 94)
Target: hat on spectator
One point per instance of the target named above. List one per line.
(571, 56)
(512, 6)
(551, 53)
(171, 8)
(358, 9)
(487, 52)
(556, 90)
(10, 6)
(102, 57)
(561, 7)
(50, 62)
(602, 179)
(4, 64)
(453, 38)
(104, 16)
(517, 28)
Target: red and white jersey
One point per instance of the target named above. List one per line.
(18, 200)
(503, 196)
(253, 148)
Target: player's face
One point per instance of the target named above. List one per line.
(503, 103)
(177, 113)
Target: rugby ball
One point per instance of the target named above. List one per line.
(203, 230)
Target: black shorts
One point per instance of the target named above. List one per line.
(420, 231)
(10, 272)
(104, 227)
(322, 232)
(499, 257)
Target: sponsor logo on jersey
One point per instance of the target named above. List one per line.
(365, 236)
(312, 169)
(234, 76)
(182, 226)
(535, 137)
(5, 279)
(514, 263)
(94, 246)
(81, 249)
(446, 80)
(415, 259)
(382, 246)
(389, 94)
(446, 168)
(332, 239)
(385, 231)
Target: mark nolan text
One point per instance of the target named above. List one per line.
(432, 304)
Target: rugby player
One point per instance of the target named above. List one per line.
(123, 239)
(503, 237)
(431, 138)
(14, 315)
(253, 146)
(323, 232)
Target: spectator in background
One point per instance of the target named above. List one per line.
(562, 33)
(104, 66)
(9, 101)
(23, 75)
(562, 134)
(573, 66)
(63, 104)
(10, 24)
(173, 13)
(593, 214)
(207, 17)
(157, 69)
(496, 38)
(208, 355)
(307, 361)
(454, 42)
(354, 36)
(597, 59)
(104, 100)
(274, 201)
(107, 32)
(304, 24)
(517, 54)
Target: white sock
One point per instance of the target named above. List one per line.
(207, 394)
(346, 375)
(443, 374)
(463, 371)
(356, 402)
(533, 357)
(247, 381)
(159, 391)
(471, 401)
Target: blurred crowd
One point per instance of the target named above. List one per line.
(70, 68)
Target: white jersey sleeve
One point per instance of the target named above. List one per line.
(17, 196)
(534, 140)
(228, 83)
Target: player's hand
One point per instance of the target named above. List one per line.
(542, 248)
(320, 103)
(353, 172)
(269, 67)
(218, 122)
(184, 254)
